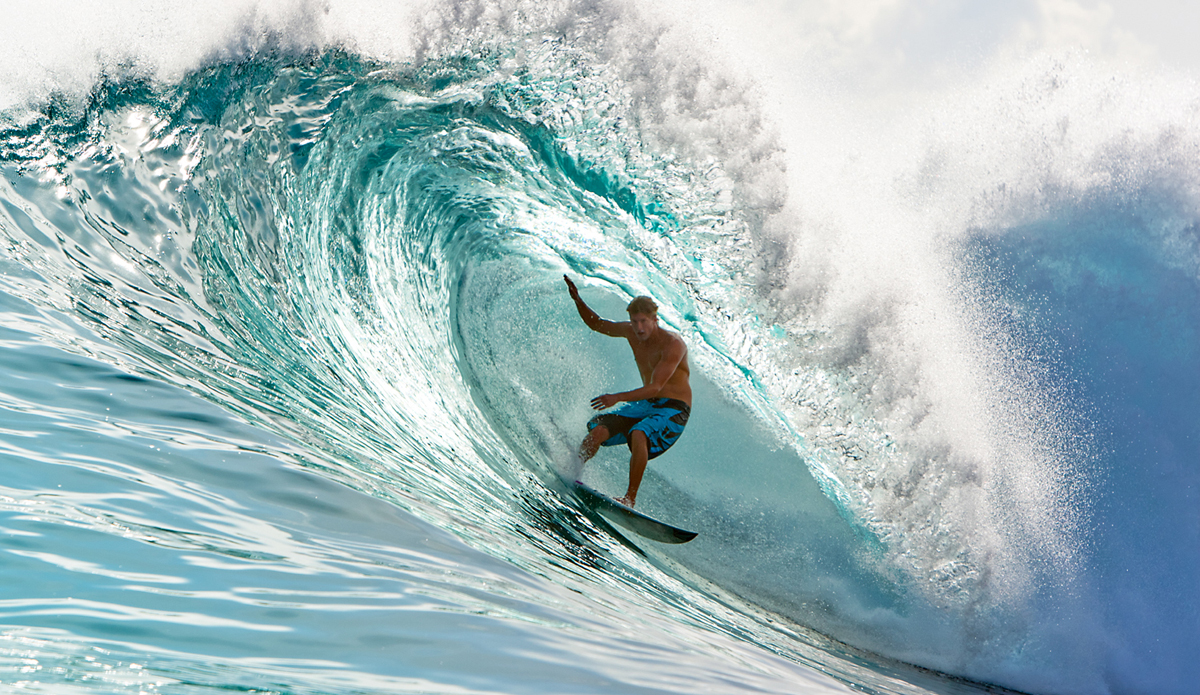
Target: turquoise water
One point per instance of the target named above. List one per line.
(289, 377)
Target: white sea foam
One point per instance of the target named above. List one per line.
(854, 153)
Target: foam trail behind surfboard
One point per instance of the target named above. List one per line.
(574, 468)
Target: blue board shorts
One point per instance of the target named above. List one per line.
(661, 419)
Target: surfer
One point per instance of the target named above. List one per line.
(654, 415)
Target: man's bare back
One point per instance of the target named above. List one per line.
(656, 412)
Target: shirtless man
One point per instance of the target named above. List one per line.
(656, 413)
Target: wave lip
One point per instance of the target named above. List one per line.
(364, 257)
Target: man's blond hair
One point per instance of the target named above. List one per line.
(642, 305)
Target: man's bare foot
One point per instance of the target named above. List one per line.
(623, 499)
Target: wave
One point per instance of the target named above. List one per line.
(916, 417)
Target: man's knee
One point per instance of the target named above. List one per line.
(637, 440)
(599, 433)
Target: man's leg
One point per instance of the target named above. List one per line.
(591, 443)
(639, 454)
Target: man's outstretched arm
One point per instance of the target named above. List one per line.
(591, 318)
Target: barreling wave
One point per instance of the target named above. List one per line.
(366, 258)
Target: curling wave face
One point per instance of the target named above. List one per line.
(367, 259)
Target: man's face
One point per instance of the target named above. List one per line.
(643, 325)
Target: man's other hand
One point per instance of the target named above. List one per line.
(606, 401)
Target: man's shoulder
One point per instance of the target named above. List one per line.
(615, 329)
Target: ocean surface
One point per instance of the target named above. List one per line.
(289, 375)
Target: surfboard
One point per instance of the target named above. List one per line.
(626, 517)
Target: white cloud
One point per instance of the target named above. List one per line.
(1083, 25)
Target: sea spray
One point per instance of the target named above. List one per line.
(902, 441)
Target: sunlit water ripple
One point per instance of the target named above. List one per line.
(289, 377)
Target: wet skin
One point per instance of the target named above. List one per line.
(661, 358)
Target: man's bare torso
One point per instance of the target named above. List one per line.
(648, 354)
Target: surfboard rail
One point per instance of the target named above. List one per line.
(627, 517)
